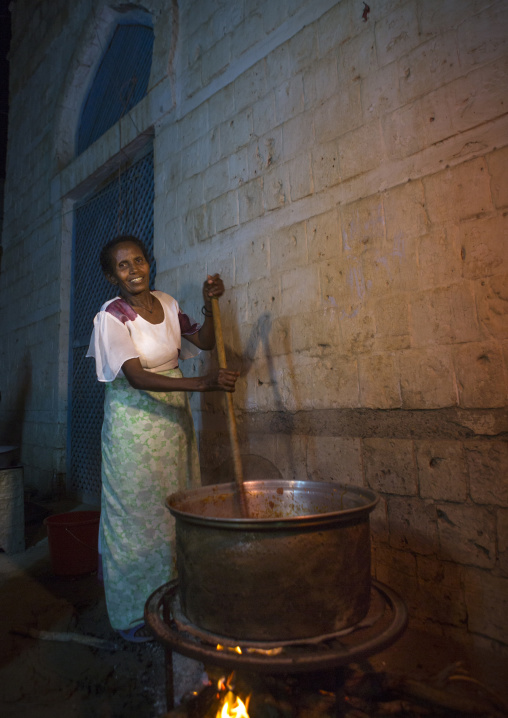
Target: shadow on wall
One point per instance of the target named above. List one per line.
(13, 429)
(215, 437)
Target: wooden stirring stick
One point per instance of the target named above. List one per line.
(233, 434)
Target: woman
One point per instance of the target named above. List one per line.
(148, 441)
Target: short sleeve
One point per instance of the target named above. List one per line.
(110, 345)
(188, 325)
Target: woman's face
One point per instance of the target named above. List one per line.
(130, 269)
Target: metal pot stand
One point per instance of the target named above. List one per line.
(383, 625)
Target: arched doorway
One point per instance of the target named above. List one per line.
(121, 205)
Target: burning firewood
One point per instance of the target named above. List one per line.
(366, 694)
(199, 705)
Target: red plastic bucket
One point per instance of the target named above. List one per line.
(73, 542)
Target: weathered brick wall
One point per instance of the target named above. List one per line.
(350, 184)
(34, 324)
(348, 178)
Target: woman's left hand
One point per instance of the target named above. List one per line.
(213, 287)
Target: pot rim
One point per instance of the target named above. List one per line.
(320, 488)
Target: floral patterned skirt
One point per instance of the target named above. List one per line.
(148, 451)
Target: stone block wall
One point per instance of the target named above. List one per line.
(349, 185)
(346, 172)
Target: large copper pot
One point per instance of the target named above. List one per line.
(298, 566)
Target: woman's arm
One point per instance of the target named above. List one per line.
(221, 380)
(139, 378)
(205, 337)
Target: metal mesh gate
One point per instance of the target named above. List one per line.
(125, 206)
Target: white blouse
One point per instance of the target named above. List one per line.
(120, 334)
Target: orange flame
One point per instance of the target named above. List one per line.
(233, 707)
(233, 649)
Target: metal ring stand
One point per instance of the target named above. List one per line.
(365, 640)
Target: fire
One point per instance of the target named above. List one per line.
(232, 705)
(233, 649)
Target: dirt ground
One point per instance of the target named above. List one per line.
(48, 679)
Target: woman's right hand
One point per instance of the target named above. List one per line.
(221, 380)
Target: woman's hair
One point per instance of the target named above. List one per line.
(105, 256)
